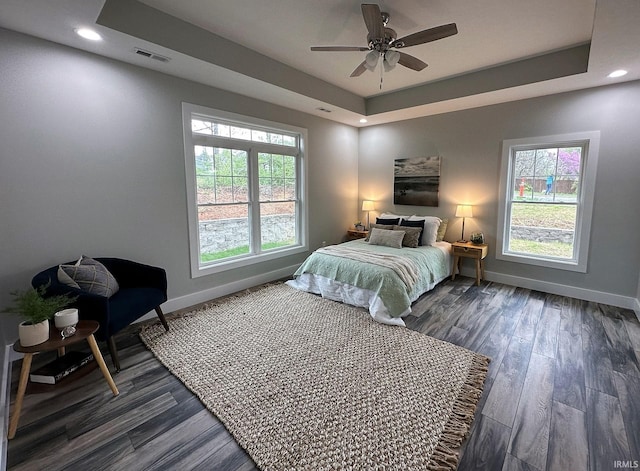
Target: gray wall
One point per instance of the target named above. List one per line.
(92, 162)
(469, 142)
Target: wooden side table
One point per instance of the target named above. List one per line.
(468, 250)
(352, 234)
(84, 331)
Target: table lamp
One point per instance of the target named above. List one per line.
(367, 206)
(463, 211)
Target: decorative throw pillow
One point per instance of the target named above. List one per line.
(91, 276)
(388, 222)
(387, 238)
(385, 227)
(442, 229)
(411, 235)
(417, 224)
(431, 224)
(392, 216)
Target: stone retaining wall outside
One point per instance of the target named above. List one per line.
(223, 234)
(542, 234)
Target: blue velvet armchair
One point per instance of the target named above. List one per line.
(142, 288)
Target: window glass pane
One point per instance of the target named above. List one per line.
(240, 133)
(567, 182)
(524, 163)
(275, 138)
(221, 130)
(201, 127)
(543, 229)
(204, 160)
(259, 136)
(277, 224)
(277, 177)
(223, 231)
(289, 141)
(240, 189)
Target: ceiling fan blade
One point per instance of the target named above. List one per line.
(359, 70)
(339, 48)
(426, 36)
(411, 62)
(373, 19)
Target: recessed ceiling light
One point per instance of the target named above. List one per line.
(88, 34)
(363, 120)
(618, 73)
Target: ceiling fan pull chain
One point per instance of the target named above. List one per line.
(381, 73)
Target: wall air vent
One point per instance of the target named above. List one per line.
(151, 55)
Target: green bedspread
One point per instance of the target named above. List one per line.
(395, 295)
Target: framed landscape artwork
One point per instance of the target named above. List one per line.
(416, 181)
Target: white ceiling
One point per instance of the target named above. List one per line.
(491, 33)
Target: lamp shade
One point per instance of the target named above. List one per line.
(464, 211)
(391, 58)
(371, 60)
(367, 205)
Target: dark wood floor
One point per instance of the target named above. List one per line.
(563, 393)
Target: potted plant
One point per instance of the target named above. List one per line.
(36, 310)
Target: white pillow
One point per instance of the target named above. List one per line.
(386, 238)
(431, 225)
(393, 216)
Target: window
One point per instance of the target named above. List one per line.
(546, 187)
(245, 189)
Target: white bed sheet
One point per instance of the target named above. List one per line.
(349, 294)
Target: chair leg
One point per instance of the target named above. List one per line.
(162, 318)
(114, 353)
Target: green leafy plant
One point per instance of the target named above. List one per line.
(34, 308)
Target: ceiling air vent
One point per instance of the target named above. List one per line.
(323, 109)
(151, 55)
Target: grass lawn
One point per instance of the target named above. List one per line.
(210, 256)
(556, 216)
(553, 249)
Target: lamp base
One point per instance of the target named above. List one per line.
(462, 241)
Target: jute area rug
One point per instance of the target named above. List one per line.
(306, 383)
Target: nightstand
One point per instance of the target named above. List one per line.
(468, 250)
(352, 234)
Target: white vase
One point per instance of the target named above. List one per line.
(65, 318)
(33, 334)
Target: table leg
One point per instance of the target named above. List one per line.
(456, 263)
(477, 271)
(482, 269)
(103, 367)
(22, 387)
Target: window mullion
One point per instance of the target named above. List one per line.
(255, 235)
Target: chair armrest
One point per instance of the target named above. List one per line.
(130, 274)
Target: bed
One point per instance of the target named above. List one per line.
(366, 275)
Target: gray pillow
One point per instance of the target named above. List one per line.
(411, 235)
(386, 227)
(387, 238)
(90, 276)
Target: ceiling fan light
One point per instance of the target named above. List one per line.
(371, 60)
(392, 57)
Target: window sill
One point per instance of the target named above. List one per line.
(558, 264)
(222, 266)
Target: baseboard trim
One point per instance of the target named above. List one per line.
(611, 299)
(636, 308)
(199, 297)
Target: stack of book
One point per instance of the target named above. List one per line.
(61, 367)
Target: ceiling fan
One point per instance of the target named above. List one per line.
(383, 42)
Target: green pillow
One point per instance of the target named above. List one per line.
(441, 230)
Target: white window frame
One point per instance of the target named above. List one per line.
(591, 142)
(189, 111)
